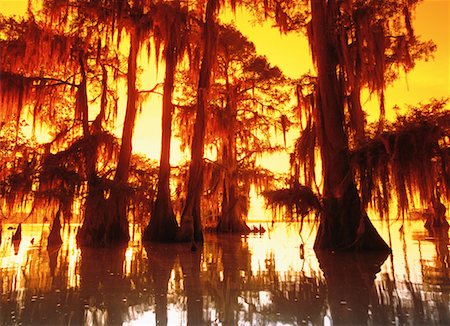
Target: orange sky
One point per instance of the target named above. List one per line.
(291, 54)
(428, 79)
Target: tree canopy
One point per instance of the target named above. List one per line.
(69, 67)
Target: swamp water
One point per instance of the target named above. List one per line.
(274, 278)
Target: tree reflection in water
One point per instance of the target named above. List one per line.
(227, 281)
(161, 261)
(103, 286)
(350, 282)
(190, 265)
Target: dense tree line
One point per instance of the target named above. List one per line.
(66, 64)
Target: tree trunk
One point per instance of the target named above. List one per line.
(93, 221)
(82, 108)
(95, 205)
(117, 221)
(163, 225)
(106, 220)
(344, 225)
(123, 165)
(191, 226)
(230, 220)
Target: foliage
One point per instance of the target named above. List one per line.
(298, 197)
(410, 156)
(56, 65)
(142, 182)
(33, 179)
(247, 105)
(19, 161)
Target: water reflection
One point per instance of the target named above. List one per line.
(103, 285)
(350, 282)
(274, 278)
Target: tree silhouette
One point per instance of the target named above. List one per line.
(58, 63)
(408, 158)
(249, 99)
(191, 225)
(354, 45)
(172, 26)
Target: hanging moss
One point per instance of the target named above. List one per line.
(18, 176)
(410, 157)
(299, 198)
(15, 91)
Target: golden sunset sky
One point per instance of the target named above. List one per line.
(291, 53)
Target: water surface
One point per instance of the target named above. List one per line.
(273, 278)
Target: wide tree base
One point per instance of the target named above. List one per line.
(105, 222)
(366, 238)
(233, 226)
(344, 225)
(159, 232)
(163, 226)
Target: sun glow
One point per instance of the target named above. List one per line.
(71, 254)
(274, 251)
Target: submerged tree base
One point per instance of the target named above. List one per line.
(437, 226)
(365, 239)
(163, 226)
(344, 226)
(105, 222)
(17, 236)
(235, 227)
(440, 224)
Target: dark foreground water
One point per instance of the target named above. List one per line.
(270, 279)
